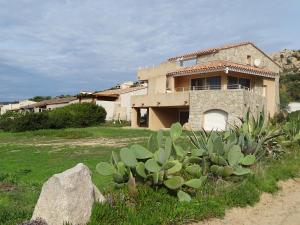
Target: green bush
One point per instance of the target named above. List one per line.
(75, 115)
(7, 120)
(32, 121)
(289, 87)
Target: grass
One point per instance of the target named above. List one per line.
(24, 168)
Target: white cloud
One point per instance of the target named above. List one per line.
(78, 43)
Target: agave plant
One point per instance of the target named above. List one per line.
(162, 163)
(292, 130)
(256, 137)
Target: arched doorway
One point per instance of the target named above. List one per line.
(215, 119)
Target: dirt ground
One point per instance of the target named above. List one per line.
(110, 142)
(282, 208)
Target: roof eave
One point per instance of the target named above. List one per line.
(227, 68)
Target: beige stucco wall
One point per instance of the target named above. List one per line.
(162, 117)
(125, 102)
(156, 71)
(109, 107)
(239, 55)
(157, 84)
(166, 99)
(271, 96)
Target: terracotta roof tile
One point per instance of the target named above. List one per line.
(51, 102)
(219, 65)
(117, 92)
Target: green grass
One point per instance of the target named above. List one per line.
(24, 168)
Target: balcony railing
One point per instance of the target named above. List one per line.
(211, 87)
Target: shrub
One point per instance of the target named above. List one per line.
(75, 115)
(7, 120)
(31, 121)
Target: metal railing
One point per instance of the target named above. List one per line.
(211, 87)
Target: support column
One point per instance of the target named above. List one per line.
(135, 117)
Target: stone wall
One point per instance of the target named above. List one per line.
(234, 102)
(239, 55)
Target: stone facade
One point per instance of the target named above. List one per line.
(239, 55)
(234, 102)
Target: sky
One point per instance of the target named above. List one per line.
(54, 47)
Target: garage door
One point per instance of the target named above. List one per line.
(215, 120)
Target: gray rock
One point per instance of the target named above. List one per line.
(68, 197)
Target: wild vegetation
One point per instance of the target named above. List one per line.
(289, 88)
(216, 154)
(234, 168)
(75, 115)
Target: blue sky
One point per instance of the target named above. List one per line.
(53, 47)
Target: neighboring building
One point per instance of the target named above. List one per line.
(15, 106)
(117, 102)
(294, 106)
(209, 89)
(86, 97)
(50, 104)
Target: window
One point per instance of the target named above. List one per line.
(232, 82)
(198, 84)
(236, 83)
(213, 83)
(210, 83)
(249, 61)
(244, 82)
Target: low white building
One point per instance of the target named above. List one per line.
(117, 102)
(15, 106)
(51, 104)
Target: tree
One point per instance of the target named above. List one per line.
(40, 98)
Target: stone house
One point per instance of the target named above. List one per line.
(208, 89)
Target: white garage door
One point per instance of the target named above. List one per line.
(215, 120)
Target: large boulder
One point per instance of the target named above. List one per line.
(68, 197)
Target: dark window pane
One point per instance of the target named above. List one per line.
(213, 82)
(232, 82)
(198, 84)
(244, 82)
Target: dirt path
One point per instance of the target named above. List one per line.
(110, 142)
(280, 209)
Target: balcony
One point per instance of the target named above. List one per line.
(161, 100)
(182, 96)
(212, 87)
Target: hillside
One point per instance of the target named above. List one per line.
(288, 59)
(290, 79)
